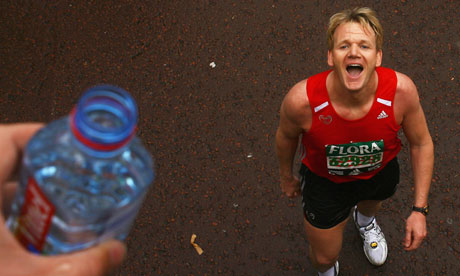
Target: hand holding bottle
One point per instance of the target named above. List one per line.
(14, 259)
(83, 177)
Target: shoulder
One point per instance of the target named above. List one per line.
(405, 85)
(295, 109)
(406, 96)
(296, 101)
(406, 91)
(297, 96)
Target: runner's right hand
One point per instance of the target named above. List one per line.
(290, 186)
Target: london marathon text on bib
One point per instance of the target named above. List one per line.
(354, 158)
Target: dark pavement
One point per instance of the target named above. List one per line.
(211, 129)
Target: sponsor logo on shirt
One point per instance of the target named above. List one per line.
(354, 158)
(382, 115)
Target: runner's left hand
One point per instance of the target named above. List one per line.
(415, 231)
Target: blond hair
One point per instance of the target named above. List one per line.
(364, 16)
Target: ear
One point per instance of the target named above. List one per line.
(379, 58)
(330, 60)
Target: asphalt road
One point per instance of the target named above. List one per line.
(211, 128)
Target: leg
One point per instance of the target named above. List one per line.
(374, 243)
(384, 185)
(325, 244)
(369, 207)
(326, 210)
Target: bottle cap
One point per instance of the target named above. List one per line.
(105, 118)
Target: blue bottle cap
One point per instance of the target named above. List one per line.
(105, 118)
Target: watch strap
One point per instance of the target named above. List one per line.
(423, 210)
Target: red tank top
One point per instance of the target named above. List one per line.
(345, 150)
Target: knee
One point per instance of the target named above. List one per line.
(323, 261)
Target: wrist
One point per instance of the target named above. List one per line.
(286, 177)
(286, 172)
(422, 210)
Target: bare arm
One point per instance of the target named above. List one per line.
(295, 118)
(421, 153)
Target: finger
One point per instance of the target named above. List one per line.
(408, 239)
(8, 191)
(296, 193)
(22, 133)
(291, 194)
(412, 246)
(96, 261)
(417, 241)
(414, 243)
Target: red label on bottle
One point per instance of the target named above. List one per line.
(35, 218)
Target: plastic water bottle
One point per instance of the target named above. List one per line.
(83, 177)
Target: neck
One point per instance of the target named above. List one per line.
(340, 94)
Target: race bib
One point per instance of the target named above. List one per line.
(354, 158)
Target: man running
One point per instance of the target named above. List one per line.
(347, 119)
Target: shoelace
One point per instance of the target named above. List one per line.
(372, 232)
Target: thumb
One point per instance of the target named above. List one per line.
(95, 261)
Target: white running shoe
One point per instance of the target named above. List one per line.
(336, 268)
(374, 243)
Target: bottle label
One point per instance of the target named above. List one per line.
(35, 218)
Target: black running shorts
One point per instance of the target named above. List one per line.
(326, 203)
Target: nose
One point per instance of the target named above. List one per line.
(354, 51)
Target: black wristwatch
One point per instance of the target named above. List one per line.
(423, 210)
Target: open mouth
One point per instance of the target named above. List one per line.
(354, 70)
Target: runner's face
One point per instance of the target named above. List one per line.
(354, 55)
